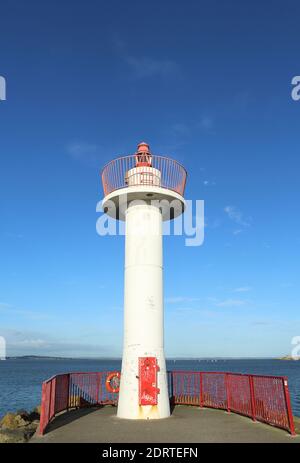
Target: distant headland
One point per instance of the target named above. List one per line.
(170, 359)
(289, 357)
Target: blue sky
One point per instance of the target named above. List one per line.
(205, 82)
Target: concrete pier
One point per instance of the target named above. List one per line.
(186, 425)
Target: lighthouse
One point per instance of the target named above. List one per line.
(144, 190)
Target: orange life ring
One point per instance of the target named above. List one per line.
(112, 382)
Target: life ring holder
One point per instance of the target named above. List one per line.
(110, 379)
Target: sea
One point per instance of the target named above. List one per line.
(21, 379)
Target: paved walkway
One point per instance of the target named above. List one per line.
(187, 424)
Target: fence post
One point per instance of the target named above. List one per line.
(68, 391)
(99, 387)
(227, 391)
(50, 400)
(201, 389)
(43, 409)
(252, 398)
(175, 386)
(288, 406)
(171, 383)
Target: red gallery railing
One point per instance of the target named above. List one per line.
(163, 172)
(262, 398)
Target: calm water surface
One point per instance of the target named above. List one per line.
(20, 380)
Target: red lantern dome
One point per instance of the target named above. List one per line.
(143, 155)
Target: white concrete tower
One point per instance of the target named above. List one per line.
(140, 189)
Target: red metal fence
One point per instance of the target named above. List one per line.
(164, 172)
(262, 398)
(73, 390)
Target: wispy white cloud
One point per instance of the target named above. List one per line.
(212, 223)
(206, 123)
(266, 245)
(143, 66)
(260, 323)
(185, 309)
(231, 303)
(235, 215)
(209, 183)
(242, 289)
(84, 152)
(179, 299)
(35, 343)
(196, 311)
(237, 232)
(4, 305)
